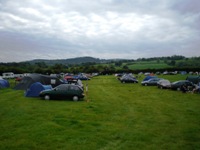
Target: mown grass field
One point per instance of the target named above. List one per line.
(139, 65)
(113, 116)
(148, 65)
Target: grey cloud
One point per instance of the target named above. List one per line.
(105, 28)
(187, 6)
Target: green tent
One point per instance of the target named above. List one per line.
(193, 79)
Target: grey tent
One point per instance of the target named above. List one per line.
(193, 79)
(27, 81)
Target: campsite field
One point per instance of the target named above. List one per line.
(112, 116)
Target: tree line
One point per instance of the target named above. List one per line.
(176, 62)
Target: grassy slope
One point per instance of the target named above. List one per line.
(117, 116)
(140, 65)
(148, 65)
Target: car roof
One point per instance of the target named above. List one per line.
(154, 79)
(164, 81)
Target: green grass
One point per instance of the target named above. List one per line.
(139, 65)
(148, 65)
(112, 116)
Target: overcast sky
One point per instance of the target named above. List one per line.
(61, 29)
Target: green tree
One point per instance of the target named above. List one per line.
(118, 63)
(172, 63)
(125, 67)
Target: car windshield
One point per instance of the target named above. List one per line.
(176, 82)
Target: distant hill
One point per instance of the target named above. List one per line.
(77, 60)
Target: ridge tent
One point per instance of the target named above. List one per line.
(36, 88)
(26, 81)
(4, 83)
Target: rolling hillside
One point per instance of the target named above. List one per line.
(77, 60)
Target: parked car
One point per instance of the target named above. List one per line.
(76, 82)
(63, 91)
(147, 73)
(69, 78)
(81, 77)
(129, 80)
(152, 81)
(164, 84)
(18, 78)
(178, 84)
(169, 73)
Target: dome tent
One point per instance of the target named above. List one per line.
(36, 88)
(26, 82)
(4, 83)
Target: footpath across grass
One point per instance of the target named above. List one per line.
(112, 116)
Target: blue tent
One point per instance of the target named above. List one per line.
(183, 72)
(36, 88)
(149, 77)
(4, 83)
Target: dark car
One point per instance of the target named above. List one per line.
(81, 77)
(164, 84)
(152, 81)
(63, 91)
(128, 80)
(178, 84)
